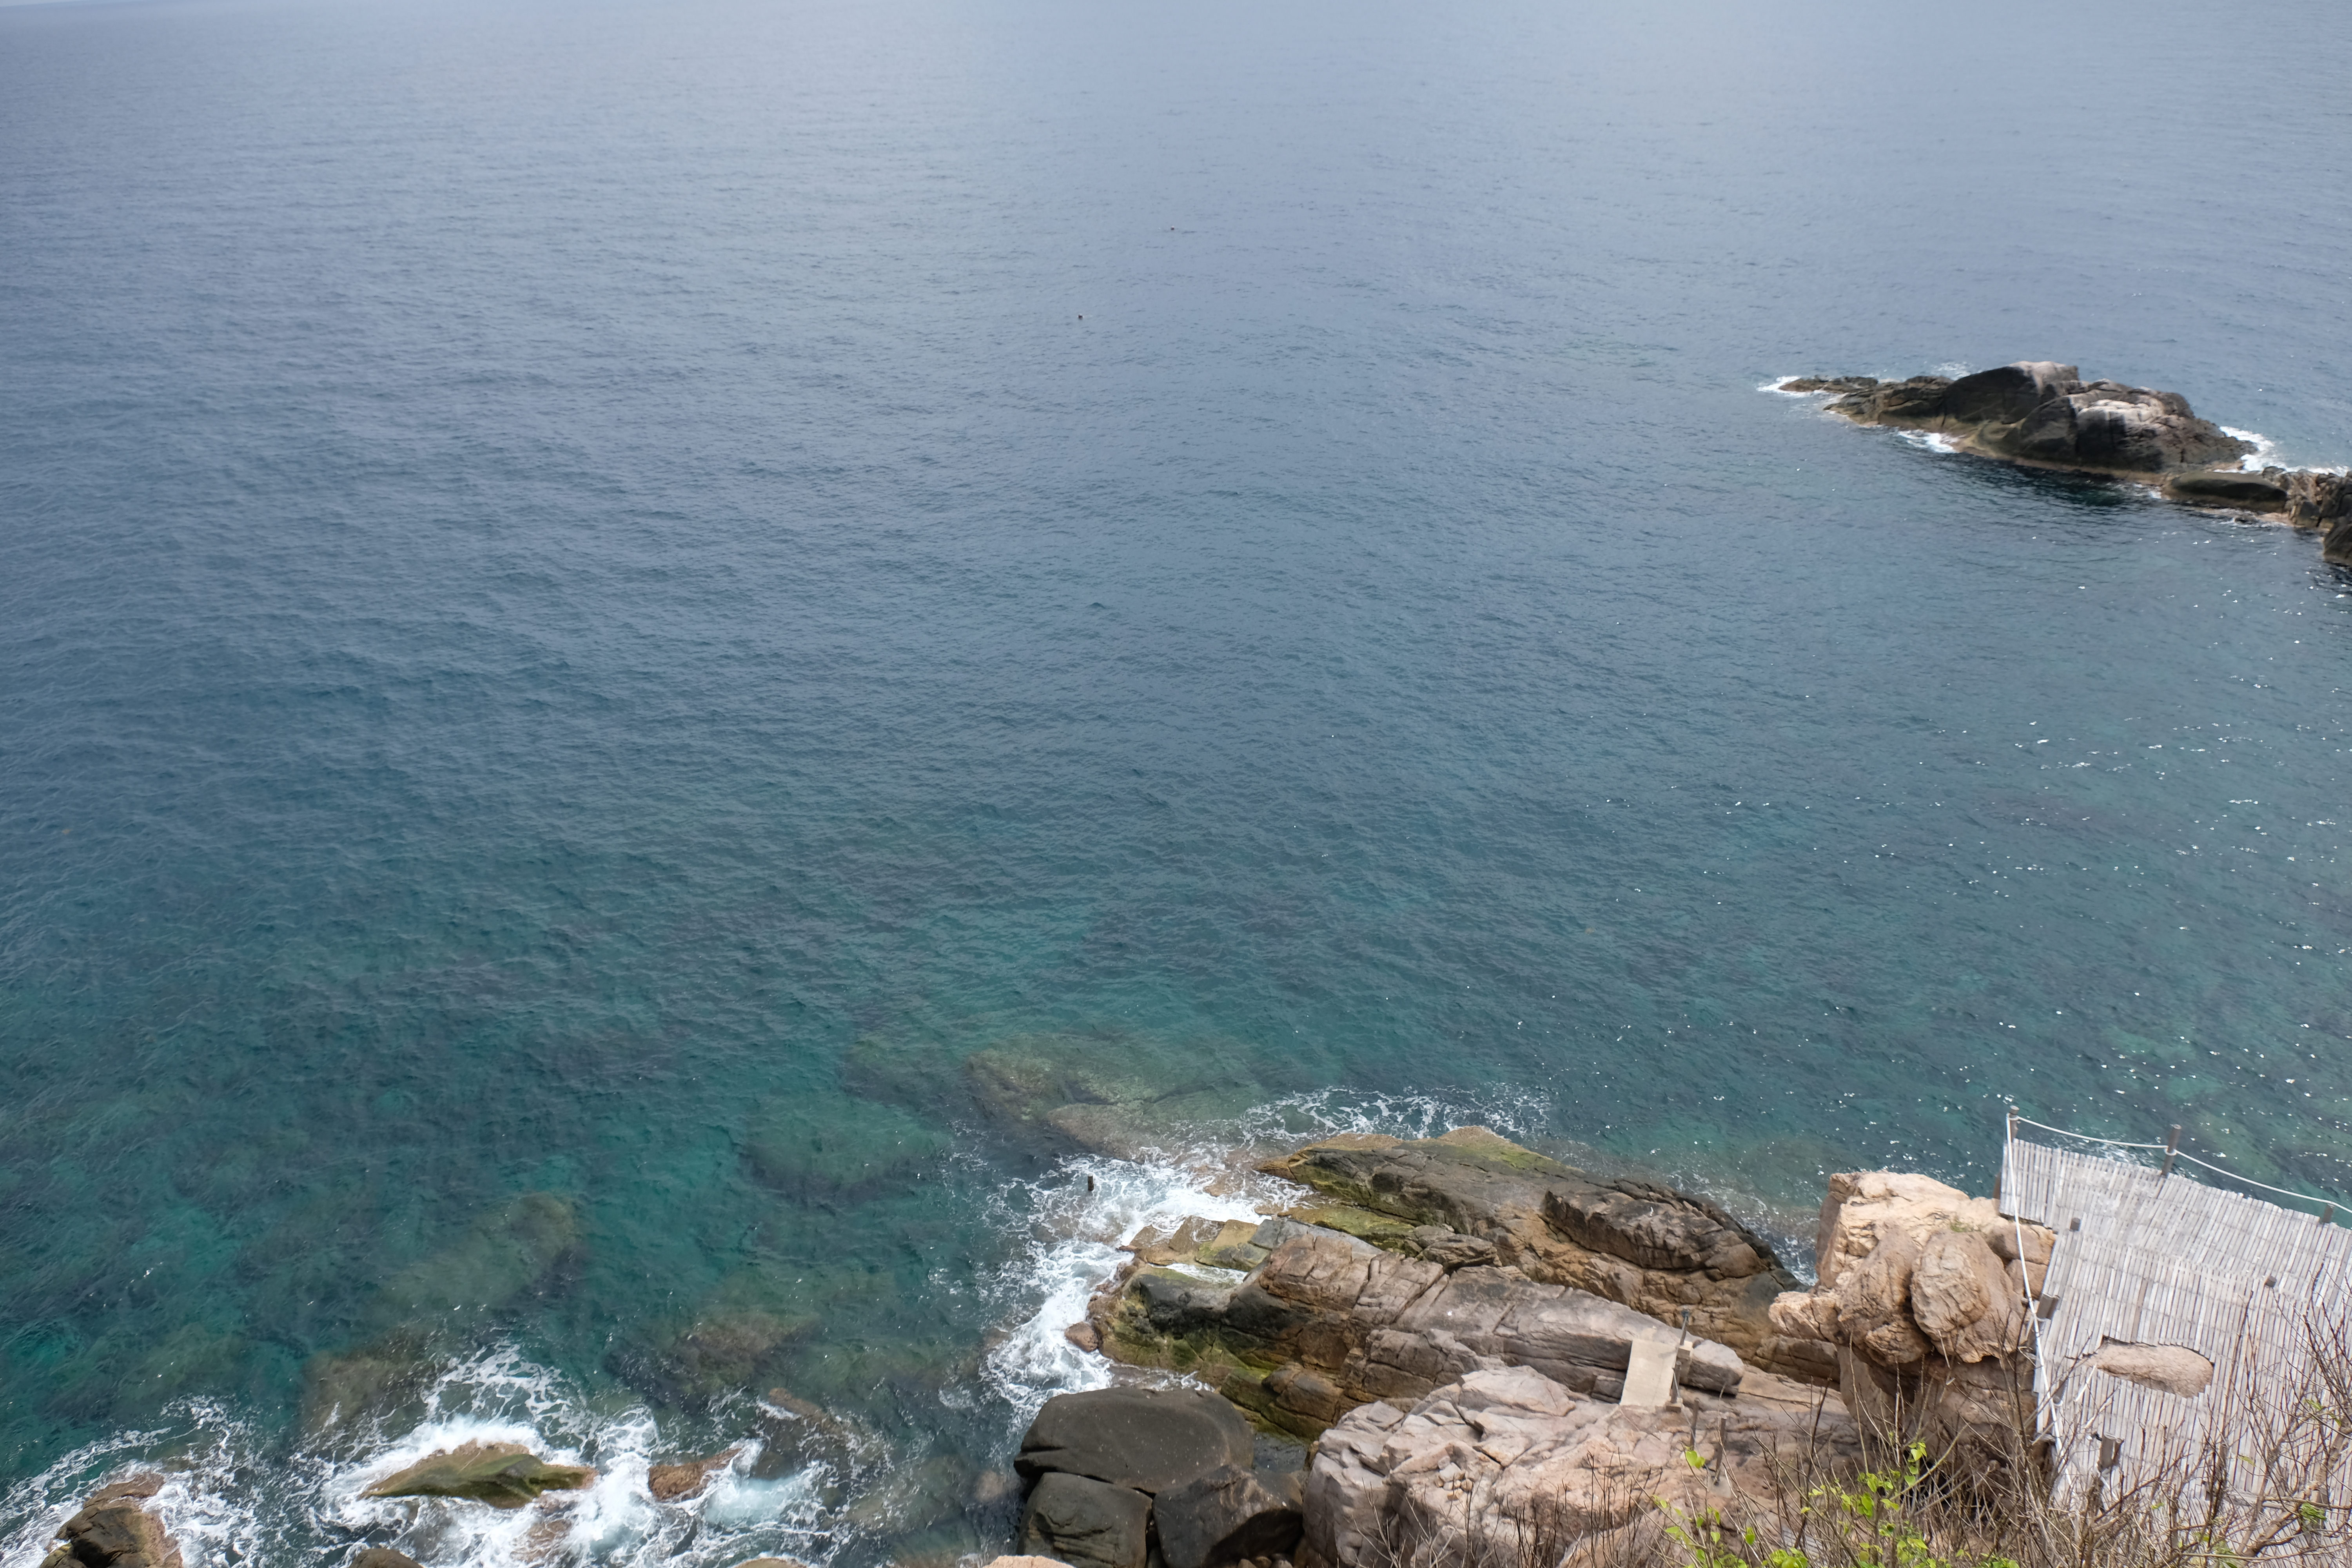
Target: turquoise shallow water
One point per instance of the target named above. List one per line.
(593, 599)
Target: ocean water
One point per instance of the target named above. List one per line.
(633, 636)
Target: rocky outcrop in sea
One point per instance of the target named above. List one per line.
(2043, 415)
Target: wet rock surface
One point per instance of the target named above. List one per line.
(383, 1557)
(668, 1483)
(111, 1530)
(503, 1475)
(1329, 1322)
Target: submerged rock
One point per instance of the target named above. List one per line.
(1116, 1094)
(843, 1150)
(383, 1557)
(504, 1475)
(505, 1256)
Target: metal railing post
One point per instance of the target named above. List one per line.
(2171, 1148)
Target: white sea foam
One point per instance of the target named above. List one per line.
(1779, 383)
(2264, 454)
(233, 1496)
(1076, 1220)
(1074, 1231)
(1929, 440)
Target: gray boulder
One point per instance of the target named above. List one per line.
(2315, 497)
(115, 1533)
(1148, 1439)
(2253, 492)
(1086, 1523)
(1224, 1517)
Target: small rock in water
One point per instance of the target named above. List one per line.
(504, 1475)
(670, 1482)
(1084, 1336)
(113, 1534)
(384, 1557)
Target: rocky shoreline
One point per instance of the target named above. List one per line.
(2041, 413)
(1482, 1344)
(1473, 1342)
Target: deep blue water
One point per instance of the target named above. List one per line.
(594, 596)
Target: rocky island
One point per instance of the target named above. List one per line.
(2041, 413)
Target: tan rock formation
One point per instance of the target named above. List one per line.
(1510, 1456)
(1329, 1322)
(1656, 1250)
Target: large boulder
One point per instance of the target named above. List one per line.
(1145, 1439)
(1661, 1252)
(2043, 413)
(1086, 1523)
(1923, 1297)
(1510, 1456)
(114, 1532)
(2315, 498)
(504, 1475)
(1224, 1517)
(2337, 550)
(1329, 1322)
(2228, 487)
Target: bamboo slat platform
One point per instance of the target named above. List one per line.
(2143, 1258)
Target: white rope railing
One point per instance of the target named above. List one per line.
(2172, 1151)
(2015, 1120)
